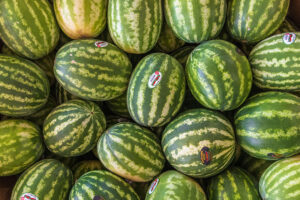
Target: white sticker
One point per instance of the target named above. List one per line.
(100, 44)
(289, 38)
(28, 196)
(153, 186)
(154, 79)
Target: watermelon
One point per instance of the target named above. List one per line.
(275, 62)
(281, 180)
(46, 63)
(156, 90)
(167, 41)
(39, 117)
(100, 185)
(135, 25)
(73, 128)
(24, 86)
(251, 21)
(219, 75)
(199, 143)
(119, 106)
(174, 185)
(81, 19)
(85, 166)
(131, 151)
(195, 21)
(48, 179)
(182, 54)
(92, 69)
(254, 166)
(28, 27)
(21, 145)
(267, 125)
(233, 183)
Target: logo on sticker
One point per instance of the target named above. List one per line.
(206, 156)
(100, 44)
(154, 79)
(275, 155)
(28, 196)
(153, 186)
(289, 38)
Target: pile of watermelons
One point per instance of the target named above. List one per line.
(149, 99)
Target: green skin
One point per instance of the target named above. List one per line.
(219, 75)
(198, 129)
(233, 184)
(28, 88)
(49, 178)
(81, 124)
(265, 119)
(21, 145)
(143, 105)
(31, 22)
(85, 69)
(100, 184)
(252, 24)
(281, 180)
(275, 64)
(172, 185)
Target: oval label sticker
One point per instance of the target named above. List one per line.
(28, 196)
(206, 156)
(153, 186)
(289, 38)
(100, 44)
(154, 79)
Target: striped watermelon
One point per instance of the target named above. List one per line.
(234, 183)
(182, 54)
(62, 95)
(48, 179)
(251, 21)
(131, 151)
(28, 27)
(85, 166)
(119, 106)
(167, 41)
(39, 117)
(219, 75)
(156, 90)
(281, 180)
(253, 165)
(195, 21)
(24, 86)
(21, 145)
(174, 185)
(92, 69)
(81, 19)
(267, 126)
(275, 62)
(199, 143)
(73, 128)
(46, 63)
(135, 25)
(102, 185)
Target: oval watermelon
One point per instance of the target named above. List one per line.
(267, 126)
(73, 128)
(92, 69)
(131, 151)
(199, 143)
(156, 90)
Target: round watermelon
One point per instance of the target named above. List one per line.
(199, 143)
